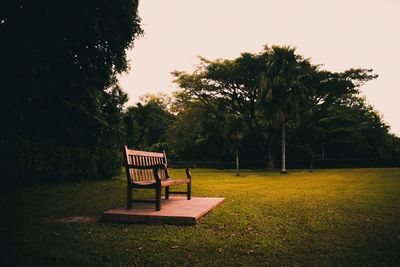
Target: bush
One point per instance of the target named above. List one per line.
(27, 162)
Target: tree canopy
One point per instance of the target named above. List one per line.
(147, 123)
(60, 61)
(269, 89)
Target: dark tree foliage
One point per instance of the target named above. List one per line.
(269, 90)
(146, 126)
(59, 61)
(208, 134)
(197, 134)
(392, 142)
(350, 129)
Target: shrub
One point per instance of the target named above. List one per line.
(27, 162)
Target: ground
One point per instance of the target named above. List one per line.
(327, 217)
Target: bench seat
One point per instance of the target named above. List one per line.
(166, 182)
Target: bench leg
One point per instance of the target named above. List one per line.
(129, 198)
(167, 192)
(158, 198)
(189, 191)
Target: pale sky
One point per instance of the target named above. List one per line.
(339, 34)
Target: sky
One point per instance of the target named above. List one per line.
(339, 34)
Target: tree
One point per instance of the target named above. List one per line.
(245, 85)
(392, 146)
(351, 129)
(282, 90)
(228, 86)
(163, 100)
(60, 61)
(197, 131)
(146, 125)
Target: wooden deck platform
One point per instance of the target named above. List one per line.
(176, 210)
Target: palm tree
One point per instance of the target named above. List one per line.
(281, 90)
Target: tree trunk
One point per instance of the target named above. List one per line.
(237, 160)
(271, 156)
(283, 147)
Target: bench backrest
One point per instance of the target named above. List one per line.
(143, 158)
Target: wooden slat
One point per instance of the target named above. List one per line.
(135, 172)
(139, 162)
(157, 161)
(142, 172)
(149, 176)
(145, 163)
(163, 171)
(144, 153)
(151, 162)
(151, 171)
(129, 160)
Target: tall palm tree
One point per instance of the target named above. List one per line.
(281, 90)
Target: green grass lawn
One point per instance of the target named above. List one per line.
(328, 217)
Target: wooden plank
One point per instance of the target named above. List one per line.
(142, 172)
(135, 171)
(148, 172)
(144, 153)
(153, 162)
(132, 174)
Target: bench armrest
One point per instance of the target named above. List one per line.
(186, 167)
(190, 166)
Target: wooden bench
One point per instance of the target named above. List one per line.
(149, 170)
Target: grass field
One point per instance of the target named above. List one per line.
(328, 217)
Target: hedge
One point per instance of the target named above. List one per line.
(27, 162)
